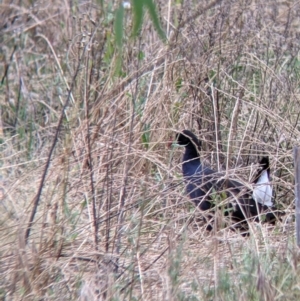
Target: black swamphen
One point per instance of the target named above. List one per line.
(202, 181)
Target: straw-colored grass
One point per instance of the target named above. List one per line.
(85, 150)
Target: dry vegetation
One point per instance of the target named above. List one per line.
(89, 146)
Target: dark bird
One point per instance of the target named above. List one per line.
(202, 181)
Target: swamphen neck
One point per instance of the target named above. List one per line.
(192, 169)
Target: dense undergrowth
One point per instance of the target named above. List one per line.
(88, 114)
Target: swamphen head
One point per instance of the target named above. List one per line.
(192, 146)
(186, 138)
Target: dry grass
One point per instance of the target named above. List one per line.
(112, 221)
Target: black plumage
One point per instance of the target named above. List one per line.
(198, 179)
(202, 181)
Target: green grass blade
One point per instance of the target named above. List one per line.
(118, 27)
(137, 9)
(154, 16)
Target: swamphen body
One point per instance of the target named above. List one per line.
(201, 182)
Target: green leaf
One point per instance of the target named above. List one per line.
(178, 84)
(118, 64)
(137, 9)
(141, 55)
(153, 14)
(146, 135)
(119, 32)
(119, 27)
(100, 2)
